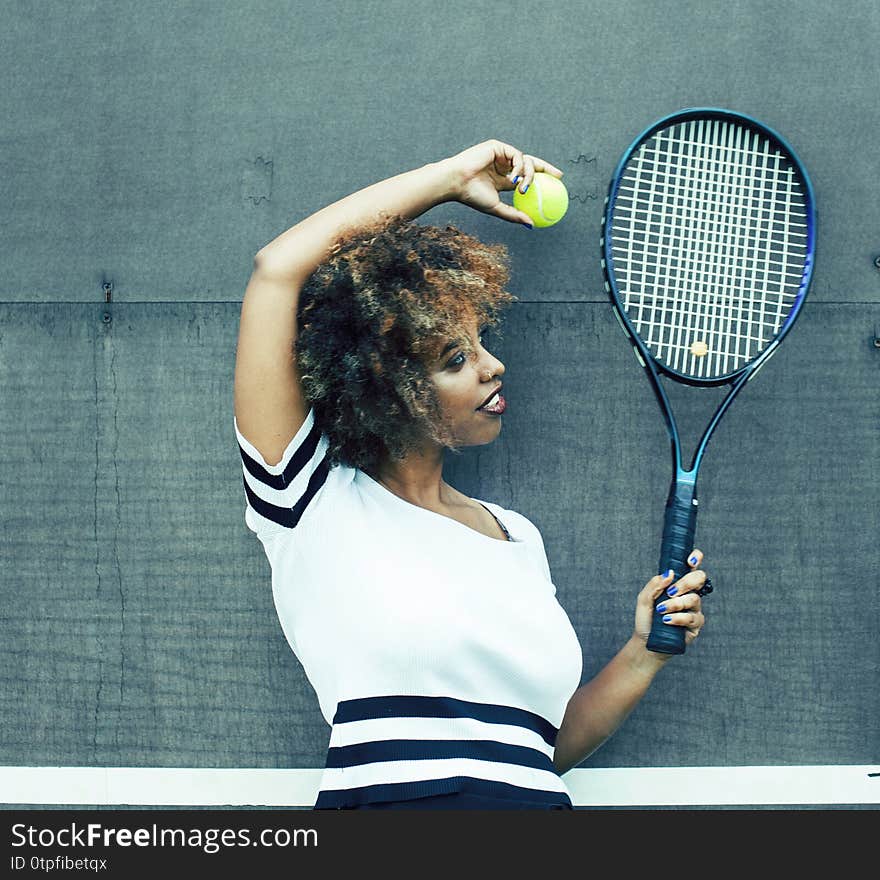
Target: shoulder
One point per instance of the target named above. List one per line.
(296, 488)
(520, 526)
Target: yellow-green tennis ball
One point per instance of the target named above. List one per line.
(546, 200)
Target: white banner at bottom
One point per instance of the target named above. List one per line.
(594, 787)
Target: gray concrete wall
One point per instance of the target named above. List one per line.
(155, 147)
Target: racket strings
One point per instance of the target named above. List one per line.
(709, 243)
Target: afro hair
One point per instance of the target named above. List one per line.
(369, 319)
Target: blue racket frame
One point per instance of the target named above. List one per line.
(680, 517)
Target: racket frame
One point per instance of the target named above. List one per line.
(682, 503)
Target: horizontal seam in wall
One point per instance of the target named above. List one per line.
(232, 302)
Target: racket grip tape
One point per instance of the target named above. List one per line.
(679, 527)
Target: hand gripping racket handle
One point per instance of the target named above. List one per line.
(679, 526)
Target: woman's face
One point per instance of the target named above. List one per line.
(466, 376)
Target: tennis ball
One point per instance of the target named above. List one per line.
(546, 200)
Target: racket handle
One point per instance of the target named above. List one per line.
(679, 526)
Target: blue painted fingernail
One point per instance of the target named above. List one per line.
(515, 179)
(528, 225)
(525, 190)
(672, 591)
(670, 573)
(667, 618)
(693, 560)
(661, 607)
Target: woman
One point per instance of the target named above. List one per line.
(426, 621)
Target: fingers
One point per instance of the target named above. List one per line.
(507, 162)
(546, 167)
(682, 610)
(512, 169)
(508, 212)
(692, 581)
(682, 605)
(693, 620)
(520, 178)
(524, 167)
(523, 173)
(695, 558)
(533, 164)
(657, 585)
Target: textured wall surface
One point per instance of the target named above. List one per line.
(152, 149)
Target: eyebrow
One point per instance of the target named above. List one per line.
(451, 345)
(448, 348)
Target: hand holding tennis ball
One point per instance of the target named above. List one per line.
(479, 175)
(545, 200)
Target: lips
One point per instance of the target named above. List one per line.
(489, 398)
(495, 405)
(496, 409)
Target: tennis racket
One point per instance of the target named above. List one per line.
(708, 241)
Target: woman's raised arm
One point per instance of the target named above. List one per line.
(270, 405)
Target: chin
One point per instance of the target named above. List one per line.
(491, 434)
(483, 439)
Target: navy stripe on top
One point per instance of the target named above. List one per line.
(288, 516)
(442, 707)
(298, 461)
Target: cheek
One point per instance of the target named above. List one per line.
(457, 403)
(451, 392)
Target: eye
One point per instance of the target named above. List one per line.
(457, 361)
(461, 358)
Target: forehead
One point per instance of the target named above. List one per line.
(444, 342)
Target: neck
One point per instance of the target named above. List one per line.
(418, 478)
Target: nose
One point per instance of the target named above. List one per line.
(491, 368)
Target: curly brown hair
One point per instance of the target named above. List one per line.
(370, 318)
